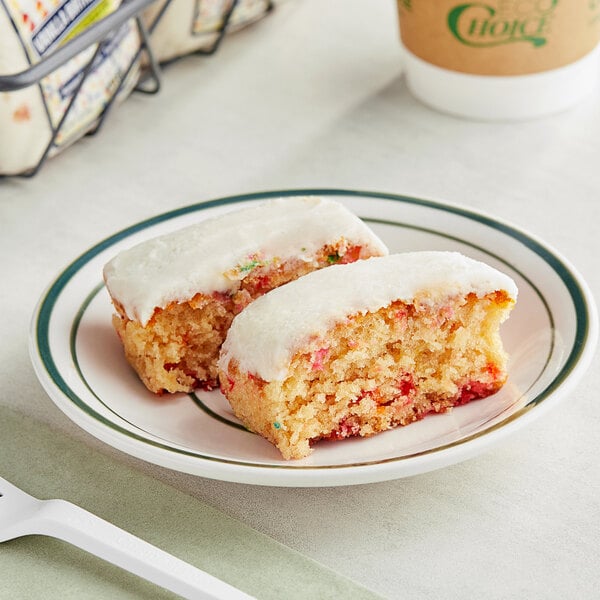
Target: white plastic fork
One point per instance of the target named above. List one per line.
(22, 514)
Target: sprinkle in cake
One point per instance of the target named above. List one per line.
(360, 348)
(176, 295)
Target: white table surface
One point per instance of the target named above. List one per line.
(313, 96)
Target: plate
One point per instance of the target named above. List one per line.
(550, 336)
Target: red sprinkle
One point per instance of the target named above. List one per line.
(351, 255)
(263, 283)
(221, 296)
(374, 394)
(346, 428)
(318, 357)
(406, 384)
(493, 370)
(473, 391)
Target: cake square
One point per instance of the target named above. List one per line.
(176, 295)
(361, 348)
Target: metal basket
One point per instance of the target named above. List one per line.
(99, 34)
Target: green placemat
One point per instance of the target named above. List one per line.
(48, 464)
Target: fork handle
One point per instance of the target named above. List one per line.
(70, 523)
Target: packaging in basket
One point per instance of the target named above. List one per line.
(30, 30)
(181, 27)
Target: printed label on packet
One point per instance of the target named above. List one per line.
(43, 26)
(500, 37)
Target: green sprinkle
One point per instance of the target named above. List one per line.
(249, 266)
(333, 258)
(277, 425)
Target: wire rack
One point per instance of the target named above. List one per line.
(99, 35)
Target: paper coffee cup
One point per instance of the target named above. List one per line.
(500, 59)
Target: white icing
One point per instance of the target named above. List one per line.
(202, 258)
(265, 336)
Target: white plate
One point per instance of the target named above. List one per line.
(550, 336)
